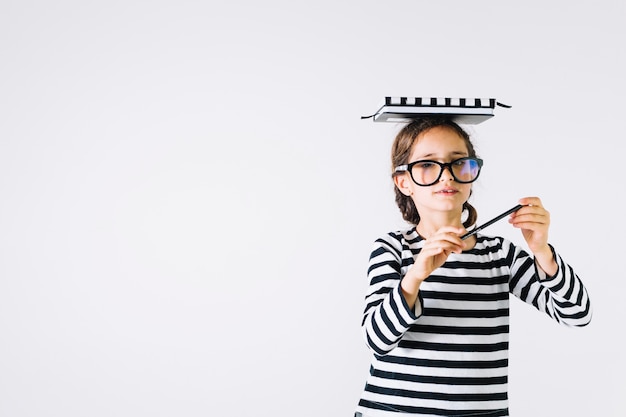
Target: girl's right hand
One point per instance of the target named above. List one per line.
(436, 250)
(434, 253)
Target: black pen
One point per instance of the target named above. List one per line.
(490, 222)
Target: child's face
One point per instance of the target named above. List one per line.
(444, 145)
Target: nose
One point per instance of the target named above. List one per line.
(446, 174)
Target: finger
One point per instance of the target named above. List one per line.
(530, 201)
(455, 231)
(449, 244)
(435, 252)
(452, 234)
(532, 214)
(530, 223)
(531, 227)
(453, 238)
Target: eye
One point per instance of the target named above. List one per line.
(425, 164)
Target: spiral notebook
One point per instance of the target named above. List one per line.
(461, 110)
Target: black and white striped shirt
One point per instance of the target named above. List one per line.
(449, 356)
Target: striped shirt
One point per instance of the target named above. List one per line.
(449, 355)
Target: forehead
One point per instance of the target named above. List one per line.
(439, 141)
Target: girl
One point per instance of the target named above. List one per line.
(437, 308)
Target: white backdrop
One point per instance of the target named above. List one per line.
(189, 196)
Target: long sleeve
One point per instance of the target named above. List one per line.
(449, 355)
(563, 296)
(387, 316)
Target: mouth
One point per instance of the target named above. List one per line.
(447, 191)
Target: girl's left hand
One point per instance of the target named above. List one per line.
(534, 221)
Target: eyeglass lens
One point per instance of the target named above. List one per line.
(428, 172)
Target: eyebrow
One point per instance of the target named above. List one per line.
(455, 153)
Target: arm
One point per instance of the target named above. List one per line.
(562, 296)
(393, 301)
(557, 289)
(387, 315)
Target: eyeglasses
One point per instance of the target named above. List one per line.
(426, 172)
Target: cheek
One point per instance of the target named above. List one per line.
(421, 193)
(404, 183)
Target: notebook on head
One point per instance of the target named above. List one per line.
(461, 110)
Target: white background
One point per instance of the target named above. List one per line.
(188, 195)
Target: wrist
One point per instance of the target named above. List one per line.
(544, 254)
(545, 259)
(410, 284)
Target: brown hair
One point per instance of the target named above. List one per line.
(401, 152)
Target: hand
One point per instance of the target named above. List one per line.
(434, 253)
(436, 250)
(534, 221)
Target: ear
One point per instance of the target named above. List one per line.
(402, 181)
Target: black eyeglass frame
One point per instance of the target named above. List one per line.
(442, 165)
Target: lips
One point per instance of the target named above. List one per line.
(447, 191)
